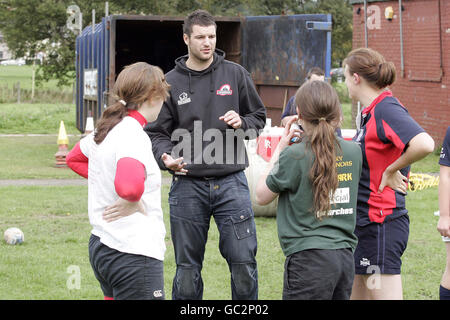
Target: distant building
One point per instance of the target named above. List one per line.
(421, 54)
(4, 51)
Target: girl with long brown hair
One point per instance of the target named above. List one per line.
(390, 140)
(317, 184)
(126, 248)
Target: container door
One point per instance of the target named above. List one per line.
(92, 64)
(278, 51)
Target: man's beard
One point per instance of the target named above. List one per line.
(200, 57)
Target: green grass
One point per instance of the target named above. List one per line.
(347, 122)
(32, 158)
(427, 165)
(56, 227)
(37, 118)
(10, 75)
(54, 220)
(48, 92)
(425, 256)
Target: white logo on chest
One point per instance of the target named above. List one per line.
(183, 99)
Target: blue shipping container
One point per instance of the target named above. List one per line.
(278, 51)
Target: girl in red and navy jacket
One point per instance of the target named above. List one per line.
(390, 140)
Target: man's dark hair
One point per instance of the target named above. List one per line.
(315, 70)
(198, 17)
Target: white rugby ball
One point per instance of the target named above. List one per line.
(14, 236)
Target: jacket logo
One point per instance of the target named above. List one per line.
(183, 99)
(157, 293)
(364, 262)
(224, 90)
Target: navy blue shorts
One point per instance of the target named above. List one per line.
(381, 246)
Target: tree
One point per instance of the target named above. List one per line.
(340, 10)
(342, 19)
(31, 26)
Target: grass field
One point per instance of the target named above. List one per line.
(57, 230)
(32, 157)
(10, 75)
(54, 221)
(37, 118)
(14, 77)
(56, 227)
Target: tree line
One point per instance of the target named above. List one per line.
(32, 26)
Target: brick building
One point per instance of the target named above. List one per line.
(421, 54)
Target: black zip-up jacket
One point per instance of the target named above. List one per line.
(189, 126)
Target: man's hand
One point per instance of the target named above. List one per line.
(232, 119)
(122, 208)
(174, 164)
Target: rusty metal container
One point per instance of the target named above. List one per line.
(278, 51)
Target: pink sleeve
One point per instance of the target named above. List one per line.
(77, 161)
(130, 179)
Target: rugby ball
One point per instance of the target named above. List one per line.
(14, 236)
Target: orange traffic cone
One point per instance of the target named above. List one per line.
(63, 147)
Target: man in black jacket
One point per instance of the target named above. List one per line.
(198, 136)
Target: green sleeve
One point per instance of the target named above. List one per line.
(281, 177)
